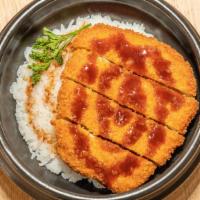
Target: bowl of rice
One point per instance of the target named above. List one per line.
(30, 160)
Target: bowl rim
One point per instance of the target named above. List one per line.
(162, 186)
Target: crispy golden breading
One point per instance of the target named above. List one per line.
(116, 168)
(106, 118)
(130, 98)
(142, 55)
(153, 100)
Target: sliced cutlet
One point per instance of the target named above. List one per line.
(91, 156)
(144, 96)
(105, 118)
(145, 56)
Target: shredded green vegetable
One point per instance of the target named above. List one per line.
(47, 48)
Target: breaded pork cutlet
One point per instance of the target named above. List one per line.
(147, 97)
(116, 168)
(107, 119)
(145, 56)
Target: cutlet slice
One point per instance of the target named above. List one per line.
(145, 56)
(116, 168)
(144, 96)
(105, 118)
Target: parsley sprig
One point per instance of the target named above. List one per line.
(47, 48)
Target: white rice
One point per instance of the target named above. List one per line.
(42, 151)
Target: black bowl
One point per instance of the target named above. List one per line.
(160, 19)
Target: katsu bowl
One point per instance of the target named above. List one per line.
(99, 99)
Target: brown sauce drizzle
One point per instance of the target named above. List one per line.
(134, 57)
(122, 116)
(81, 142)
(104, 112)
(107, 174)
(166, 97)
(108, 146)
(102, 46)
(156, 139)
(49, 87)
(135, 131)
(162, 69)
(89, 71)
(131, 92)
(108, 75)
(41, 134)
(125, 167)
(79, 103)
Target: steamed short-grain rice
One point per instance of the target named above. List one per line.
(40, 150)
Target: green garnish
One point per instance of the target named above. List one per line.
(47, 48)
